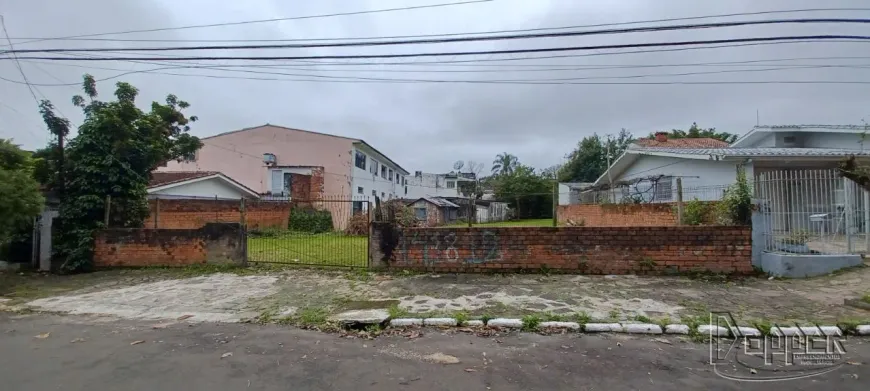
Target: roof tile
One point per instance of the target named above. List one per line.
(160, 178)
(702, 142)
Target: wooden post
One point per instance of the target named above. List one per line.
(242, 212)
(679, 201)
(555, 203)
(470, 211)
(156, 213)
(106, 211)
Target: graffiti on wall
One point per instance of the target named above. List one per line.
(441, 248)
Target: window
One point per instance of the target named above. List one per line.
(391, 175)
(406, 190)
(288, 181)
(384, 172)
(451, 184)
(360, 190)
(383, 195)
(664, 189)
(398, 179)
(373, 168)
(374, 193)
(360, 160)
(420, 213)
(357, 207)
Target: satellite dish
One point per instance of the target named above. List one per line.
(458, 165)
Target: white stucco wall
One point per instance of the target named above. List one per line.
(833, 140)
(383, 187)
(430, 185)
(768, 141)
(209, 188)
(701, 178)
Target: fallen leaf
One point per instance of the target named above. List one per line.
(136, 342)
(853, 363)
(564, 346)
(618, 344)
(752, 371)
(183, 317)
(227, 354)
(662, 340)
(43, 335)
(77, 340)
(470, 370)
(161, 326)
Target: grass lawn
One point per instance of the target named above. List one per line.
(299, 248)
(518, 223)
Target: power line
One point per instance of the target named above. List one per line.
(504, 81)
(263, 20)
(473, 53)
(17, 64)
(458, 39)
(78, 38)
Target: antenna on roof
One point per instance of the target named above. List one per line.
(458, 165)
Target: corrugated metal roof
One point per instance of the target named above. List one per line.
(773, 152)
(160, 178)
(700, 142)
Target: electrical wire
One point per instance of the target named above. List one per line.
(18, 64)
(472, 53)
(77, 38)
(456, 39)
(263, 20)
(376, 79)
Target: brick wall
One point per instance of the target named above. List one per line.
(617, 215)
(213, 243)
(592, 250)
(195, 213)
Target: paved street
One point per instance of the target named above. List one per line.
(45, 352)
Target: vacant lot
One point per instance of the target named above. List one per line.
(331, 249)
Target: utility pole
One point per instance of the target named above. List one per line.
(610, 194)
(555, 202)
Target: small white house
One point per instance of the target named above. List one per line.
(648, 168)
(196, 184)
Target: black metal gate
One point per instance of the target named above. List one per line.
(323, 232)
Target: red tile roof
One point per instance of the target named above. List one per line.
(160, 178)
(703, 142)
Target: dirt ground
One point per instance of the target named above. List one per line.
(230, 297)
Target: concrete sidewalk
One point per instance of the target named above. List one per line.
(44, 352)
(230, 297)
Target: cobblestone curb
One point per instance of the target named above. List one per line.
(633, 328)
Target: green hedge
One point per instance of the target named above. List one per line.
(307, 219)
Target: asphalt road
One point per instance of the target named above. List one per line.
(85, 353)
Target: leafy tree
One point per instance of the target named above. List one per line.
(504, 164)
(528, 194)
(117, 147)
(20, 198)
(589, 160)
(697, 132)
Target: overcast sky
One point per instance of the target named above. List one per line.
(428, 126)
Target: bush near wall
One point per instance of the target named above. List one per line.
(308, 219)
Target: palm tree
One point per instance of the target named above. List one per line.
(504, 164)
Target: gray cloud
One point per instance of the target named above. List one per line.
(429, 126)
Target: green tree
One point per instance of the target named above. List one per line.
(504, 164)
(20, 198)
(698, 132)
(117, 147)
(589, 160)
(527, 193)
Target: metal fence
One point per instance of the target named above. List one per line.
(329, 230)
(812, 212)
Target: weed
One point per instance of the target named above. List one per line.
(613, 315)
(531, 322)
(763, 326)
(866, 298)
(359, 275)
(849, 326)
(268, 316)
(693, 322)
(397, 312)
(642, 319)
(551, 317)
(485, 318)
(374, 329)
(582, 317)
(646, 263)
(312, 316)
(461, 318)
(663, 322)
(545, 270)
